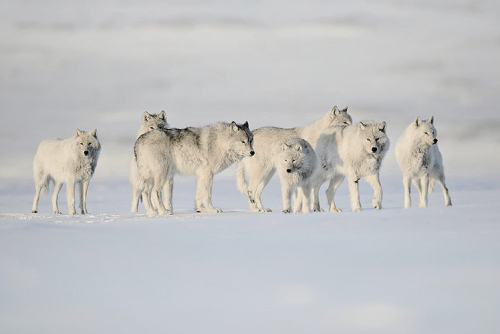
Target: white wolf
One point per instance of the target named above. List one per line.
(420, 160)
(355, 151)
(267, 140)
(202, 152)
(295, 163)
(69, 161)
(149, 122)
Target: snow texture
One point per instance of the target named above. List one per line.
(100, 64)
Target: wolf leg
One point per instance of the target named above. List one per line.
(204, 183)
(260, 187)
(286, 193)
(407, 191)
(70, 196)
(146, 198)
(167, 192)
(335, 183)
(38, 189)
(440, 179)
(55, 195)
(354, 192)
(303, 199)
(84, 186)
(424, 185)
(374, 182)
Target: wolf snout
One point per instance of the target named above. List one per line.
(435, 141)
(288, 170)
(86, 153)
(252, 153)
(374, 149)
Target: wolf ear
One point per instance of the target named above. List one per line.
(431, 120)
(345, 109)
(361, 126)
(94, 133)
(417, 121)
(382, 126)
(234, 126)
(78, 132)
(284, 146)
(245, 125)
(298, 147)
(145, 116)
(335, 111)
(163, 116)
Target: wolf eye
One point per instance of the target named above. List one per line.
(377, 139)
(152, 128)
(426, 133)
(244, 142)
(89, 144)
(346, 123)
(368, 139)
(81, 144)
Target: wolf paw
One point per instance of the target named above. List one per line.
(265, 210)
(286, 211)
(57, 213)
(377, 206)
(34, 211)
(335, 210)
(357, 210)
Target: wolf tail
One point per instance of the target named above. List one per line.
(241, 181)
(432, 184)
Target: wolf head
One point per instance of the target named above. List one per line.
(153, 121)
(425, 132)
(291, 155)
(373, 137)
(87, 144)
(241, 139)
(339, 117)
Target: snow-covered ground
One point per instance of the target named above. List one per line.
(100, 64)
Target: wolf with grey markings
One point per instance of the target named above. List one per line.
(295, 163)
(149, 122)
(69, 161)
(421, 161)
(355, 151)
(267, 140)
(198, 151)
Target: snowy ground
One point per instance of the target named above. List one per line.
(100, 64)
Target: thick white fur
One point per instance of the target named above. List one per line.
(420, 160)
(149, 122)
(295, 163)
(267, 140)
(64, 161)
(355, 151)
(201, 152)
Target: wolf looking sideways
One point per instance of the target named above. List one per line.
(149, 122)
(202, 152)
(420, 160)
(69, 161)
(267, 141)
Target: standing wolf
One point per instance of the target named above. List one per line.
(149, 122)
(69, 161)
(202, 152)
(420, 160)
(354, 151)
(295, 163)
(267, 140)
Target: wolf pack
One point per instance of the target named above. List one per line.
(330, 149)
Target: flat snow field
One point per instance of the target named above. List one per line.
(433, 270)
